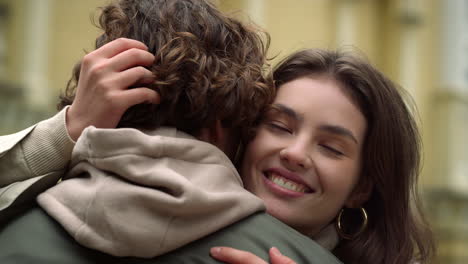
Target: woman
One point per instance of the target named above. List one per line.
(339, 147)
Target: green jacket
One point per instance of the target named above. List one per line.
(34, 237)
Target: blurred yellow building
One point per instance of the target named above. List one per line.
(421, 44)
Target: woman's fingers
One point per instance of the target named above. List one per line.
(132, 77)
(130, 58)
(117, 46)
(277, 258)
(235, 256)
(140, 95)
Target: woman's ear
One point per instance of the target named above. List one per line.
(360, 194)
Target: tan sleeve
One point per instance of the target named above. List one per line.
(46, 149)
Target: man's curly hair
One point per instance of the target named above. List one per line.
(208, 66)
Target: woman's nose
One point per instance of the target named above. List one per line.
(296, 156)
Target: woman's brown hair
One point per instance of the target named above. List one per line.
(397, 231)
(208, 66)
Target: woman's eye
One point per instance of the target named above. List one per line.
(279, 126)
(332, 150)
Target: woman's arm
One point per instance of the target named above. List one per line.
(101, 99)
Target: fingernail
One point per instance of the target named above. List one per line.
(215, 251)
(275, 251)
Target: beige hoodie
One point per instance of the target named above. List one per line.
(134, 193)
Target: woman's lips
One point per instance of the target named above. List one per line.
(286, 183)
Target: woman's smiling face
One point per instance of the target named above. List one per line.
(306, 157)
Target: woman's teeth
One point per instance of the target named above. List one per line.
(287, 184)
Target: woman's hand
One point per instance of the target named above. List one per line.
(235, 256)
(102, 94)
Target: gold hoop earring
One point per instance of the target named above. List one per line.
(339, 225)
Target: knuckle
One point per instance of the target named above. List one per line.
(141, 55)
(96, 69)
(87, 60)
(135, 53)
(104, 87)
(122, 41)
(141, 71)
(108, 97)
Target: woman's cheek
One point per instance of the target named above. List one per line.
(337, 179)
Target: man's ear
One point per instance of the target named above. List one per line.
(360, 194)
(214, 134)
(223, 138)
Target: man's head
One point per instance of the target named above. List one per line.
(208, 66)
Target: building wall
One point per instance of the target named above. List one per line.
(72, 34)
(43, 40)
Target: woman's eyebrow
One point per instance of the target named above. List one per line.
(286, 110)
(334, 129)
(339, 130)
